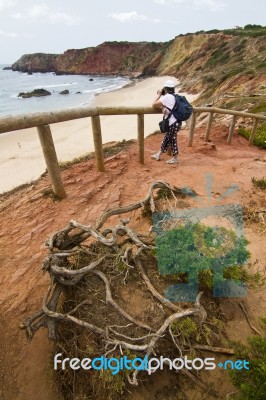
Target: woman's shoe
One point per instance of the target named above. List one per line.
(172, 161)
(156, 157)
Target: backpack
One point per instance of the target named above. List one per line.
(182, 109)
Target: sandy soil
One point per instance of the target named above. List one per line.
(28, 219)
(21, 158)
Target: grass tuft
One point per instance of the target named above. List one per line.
(260, 136)
(259, 183)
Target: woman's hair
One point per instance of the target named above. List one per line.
(169, 90)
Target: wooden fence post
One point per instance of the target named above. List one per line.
(141, 137)
(50, 157)
(192, 129)
(207, 134)
(231, 130)
(98, 145)
(252, 135)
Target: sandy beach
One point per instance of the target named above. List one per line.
(21, 158)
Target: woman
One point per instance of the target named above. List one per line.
(166, 101)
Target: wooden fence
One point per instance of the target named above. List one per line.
(43, 120)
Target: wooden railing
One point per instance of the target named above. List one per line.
(43, 120)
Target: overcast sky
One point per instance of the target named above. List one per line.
(53, 26)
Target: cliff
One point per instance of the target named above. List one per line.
(37, 62)
(215, 64)
(212, 63)
(111, 58)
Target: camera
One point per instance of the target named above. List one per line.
(163, 92)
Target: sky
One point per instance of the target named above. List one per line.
(53, 26)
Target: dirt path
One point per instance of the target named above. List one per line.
(28, 219)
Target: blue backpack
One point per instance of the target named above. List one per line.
(182, 109)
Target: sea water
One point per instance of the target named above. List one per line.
(82, 89)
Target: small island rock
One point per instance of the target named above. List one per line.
(34, 93)
(64, 92)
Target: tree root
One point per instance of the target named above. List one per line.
(62, 241)
(161, 331)
(252, 327)
(127, 246)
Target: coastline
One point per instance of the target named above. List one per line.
(21, 158)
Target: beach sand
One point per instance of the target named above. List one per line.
(21, 158)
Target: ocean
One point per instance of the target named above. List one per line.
(82, 89)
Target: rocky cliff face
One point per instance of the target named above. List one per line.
(210, 63)
(110, 58)
(217, 63)
(38, 62)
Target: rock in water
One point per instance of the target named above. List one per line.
(34, 93)
(64, 92)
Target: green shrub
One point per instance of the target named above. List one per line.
(260, 136)
(113, 384)
(261, 107)
(261, 65)
(251, 383)
(225, 57)
(260, 183)
(186, 328)
(240, 47)
(198, 250)
(208, 78)
(218, 56)
(233, 72)
(248, 30)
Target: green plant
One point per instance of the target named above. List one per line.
(185, 328)
(261, 107)
(208, 78)
(225, 57)
(198, 250)
(112, 383)
(232, 72)
(251, 383)
(260, 183)
(107, 152)
(240, 47)
(260, 136)
(262, 65)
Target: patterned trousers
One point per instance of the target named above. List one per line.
(170, 139)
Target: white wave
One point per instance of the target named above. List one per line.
(50, 86)
(109, 88)
(14, 96)
(90, 91)
(82, 105)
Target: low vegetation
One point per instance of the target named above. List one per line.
(251, 384)
(247, 30)
(108, 151)
(260, 137)
(259, 183)
(212, 254)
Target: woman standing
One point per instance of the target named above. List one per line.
(166, 101)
